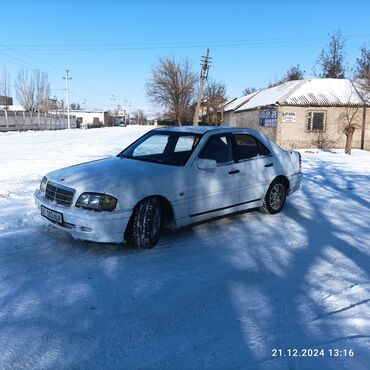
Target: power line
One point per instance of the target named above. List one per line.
(177, 45)
(30, 57)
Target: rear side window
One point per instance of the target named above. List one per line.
(218, 148)
(262, 149)
(247, 146)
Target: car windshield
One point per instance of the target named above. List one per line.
(165, 147)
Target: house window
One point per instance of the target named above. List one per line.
(316, 121)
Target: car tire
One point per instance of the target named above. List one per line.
(275, 198)
(146, 223)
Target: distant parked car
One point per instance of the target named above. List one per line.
(170, 177)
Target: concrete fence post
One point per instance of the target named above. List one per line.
(6, 118)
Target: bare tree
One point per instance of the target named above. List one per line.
(362, 68)
(293, 73)
(5, 87)
(75, 106)
(141, 118)
(322, 141)
(32, 89)
(349, 117)
(172, 86)
(331, 58)
(215, 96)
(249, 90)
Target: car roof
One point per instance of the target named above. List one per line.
(205, 129)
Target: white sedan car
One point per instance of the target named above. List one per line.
(170, 177)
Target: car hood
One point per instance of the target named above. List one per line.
(101, 175)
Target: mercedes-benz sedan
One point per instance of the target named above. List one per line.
(170, 177)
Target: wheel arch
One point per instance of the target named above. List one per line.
(168, 214)
(284, 180)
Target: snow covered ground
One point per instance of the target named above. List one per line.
(219, 295)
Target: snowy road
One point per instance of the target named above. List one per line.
(220, 295)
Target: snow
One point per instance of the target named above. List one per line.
(316, 92)
(234, 104)
(218, 295)
(325, 91)
(270, 96)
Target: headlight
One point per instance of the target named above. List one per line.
(43, 184)
(98, 202)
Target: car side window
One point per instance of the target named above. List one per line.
(219, 149)
(262, 149)
(247, 147)
(185, 143)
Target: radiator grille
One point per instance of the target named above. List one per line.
(60, 194)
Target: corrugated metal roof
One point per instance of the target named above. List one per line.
(316, 92)
(324, 92)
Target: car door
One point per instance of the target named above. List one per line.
(257, 167)
(218, 188)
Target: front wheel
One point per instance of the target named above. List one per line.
(275, 198)
(146, 223)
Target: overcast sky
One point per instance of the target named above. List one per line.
(111, 46)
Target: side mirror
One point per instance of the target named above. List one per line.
(207, 164)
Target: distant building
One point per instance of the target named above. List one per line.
(90, 118)
(302, 114)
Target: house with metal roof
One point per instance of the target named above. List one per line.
(305, 113)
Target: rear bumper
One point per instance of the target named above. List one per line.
(82, 224)
(295, 182)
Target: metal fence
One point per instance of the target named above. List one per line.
(21, 121)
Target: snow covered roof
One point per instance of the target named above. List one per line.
(316, 92)
(325, 92)
(236, 103)
(270, 96)
(228, 102)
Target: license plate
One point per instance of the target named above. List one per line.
(52, 215)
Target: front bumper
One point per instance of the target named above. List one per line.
(82, 224)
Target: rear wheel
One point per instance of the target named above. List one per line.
(145, 223)
(275, 198)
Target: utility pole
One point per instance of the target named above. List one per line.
(203, 76)
(67, 78)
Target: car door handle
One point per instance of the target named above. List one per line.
(232, 172)
(269, 164)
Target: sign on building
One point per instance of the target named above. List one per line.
(6, 100)
(268, 117)
(288, 117)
